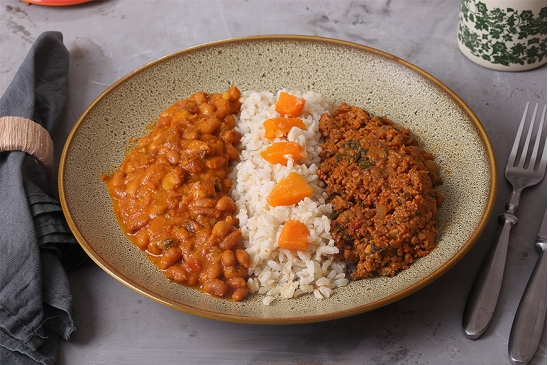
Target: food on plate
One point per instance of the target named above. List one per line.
(289, 190)
(278, 268)
(381, 186)
(280, 126)
(294, 236)
(277, 194)
(170, 195)
(277, 152)
(289, 105)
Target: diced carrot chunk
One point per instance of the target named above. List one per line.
(289, 105)
(280, 127)
(290, 190)
(294, 236)
(277, 152)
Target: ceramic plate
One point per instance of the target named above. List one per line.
(376, 81)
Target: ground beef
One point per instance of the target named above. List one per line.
(380, 183)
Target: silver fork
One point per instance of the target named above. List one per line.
(521, 173)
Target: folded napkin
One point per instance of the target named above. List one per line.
(36, 245)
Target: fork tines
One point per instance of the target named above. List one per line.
(525, 156)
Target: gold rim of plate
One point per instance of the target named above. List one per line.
(374, 80)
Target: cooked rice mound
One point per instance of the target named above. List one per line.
(276, 272)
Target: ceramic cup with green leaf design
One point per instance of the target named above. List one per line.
(504, 35)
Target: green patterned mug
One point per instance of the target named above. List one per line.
(505, 35)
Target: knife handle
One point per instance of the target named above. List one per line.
(529, 320)
(484, 295)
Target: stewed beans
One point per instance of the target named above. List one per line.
(170, 195)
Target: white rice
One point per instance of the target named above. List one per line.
(277, 272)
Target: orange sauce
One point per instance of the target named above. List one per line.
(170, 195)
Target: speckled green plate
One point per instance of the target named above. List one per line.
(376, 81)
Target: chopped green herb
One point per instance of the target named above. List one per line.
(340, 157)
(353, 144)
(365, 163)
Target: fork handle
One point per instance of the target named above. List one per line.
(513, 201)
(483, 297)
(529, 320)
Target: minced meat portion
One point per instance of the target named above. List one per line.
(381, 186)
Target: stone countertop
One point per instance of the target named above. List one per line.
(115, 325)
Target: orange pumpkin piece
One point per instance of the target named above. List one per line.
(277, 152)
(289, 105)
(294, 236)
(290, 190)
(280, 127)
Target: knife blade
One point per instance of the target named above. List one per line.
(528, 324)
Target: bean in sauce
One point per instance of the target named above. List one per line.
(170, 195)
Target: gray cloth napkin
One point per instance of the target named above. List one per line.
(36, 245)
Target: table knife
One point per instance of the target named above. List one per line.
(530, 316)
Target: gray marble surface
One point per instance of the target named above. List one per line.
(115, 325)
